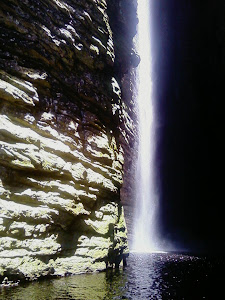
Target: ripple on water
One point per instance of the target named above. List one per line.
(148, 276)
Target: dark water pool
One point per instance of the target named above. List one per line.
(147, 276)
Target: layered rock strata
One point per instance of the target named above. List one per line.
(64, 128)
(123, 20)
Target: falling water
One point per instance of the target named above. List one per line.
(146, 197)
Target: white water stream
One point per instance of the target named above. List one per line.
(145, 233)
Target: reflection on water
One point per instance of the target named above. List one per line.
(148, 276)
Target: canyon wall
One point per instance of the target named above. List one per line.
(189, 68)
(67, 134)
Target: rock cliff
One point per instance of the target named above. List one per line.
(64, 132)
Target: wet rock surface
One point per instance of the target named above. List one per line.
(65, 127)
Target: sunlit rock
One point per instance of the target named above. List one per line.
(64, 129)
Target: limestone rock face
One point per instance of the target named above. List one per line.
(64, 128)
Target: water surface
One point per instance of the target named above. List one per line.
(147, 276)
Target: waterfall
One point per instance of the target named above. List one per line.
(146, 198)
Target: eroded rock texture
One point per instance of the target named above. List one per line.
(64, 128)
(123, 20)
